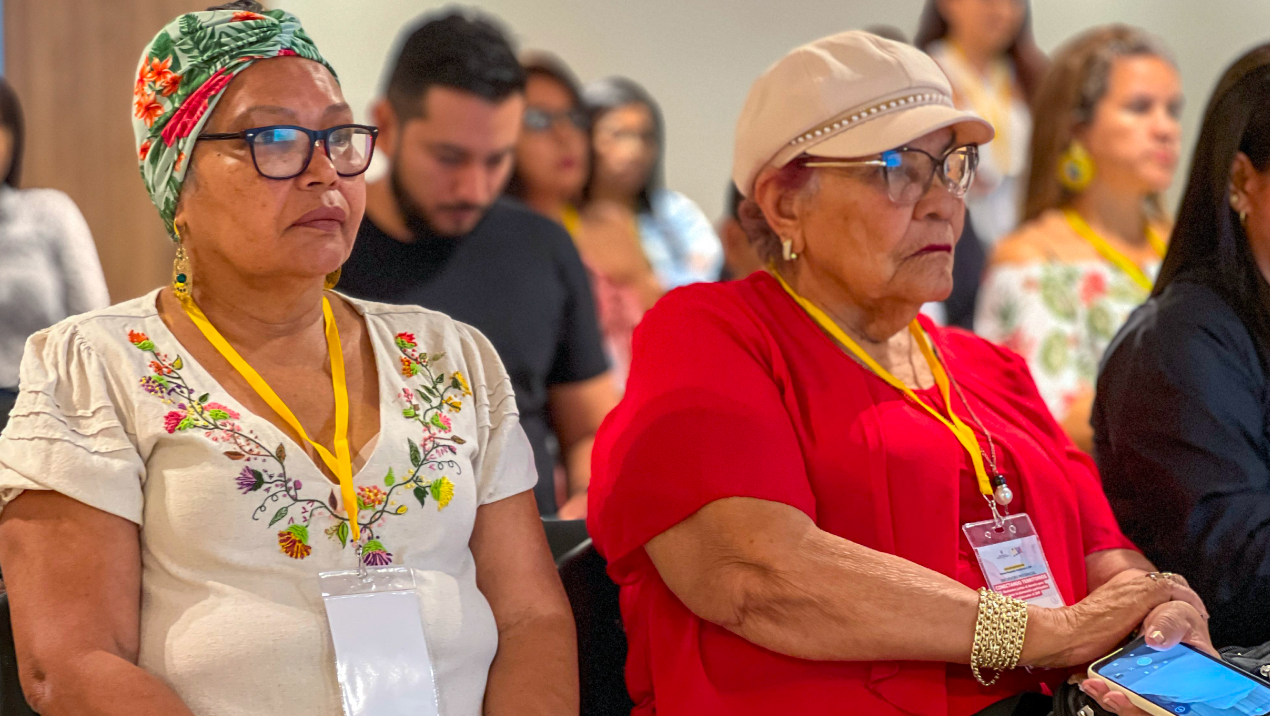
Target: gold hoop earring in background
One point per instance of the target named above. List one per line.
(181, 270)
(1075, 168)
(787, 250)
(333, 278)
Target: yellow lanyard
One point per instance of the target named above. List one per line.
(342, 462)
(572, 222)
(1122, 262)
(964, 434)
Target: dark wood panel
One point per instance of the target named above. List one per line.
(72, 63)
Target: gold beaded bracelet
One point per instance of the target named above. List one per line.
(999, 631)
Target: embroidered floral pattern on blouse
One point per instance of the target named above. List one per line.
(284, 500)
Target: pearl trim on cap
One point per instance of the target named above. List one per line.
(920, 98)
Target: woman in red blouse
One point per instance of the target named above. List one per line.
(781, 494)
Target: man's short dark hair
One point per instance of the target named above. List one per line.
(462, 49)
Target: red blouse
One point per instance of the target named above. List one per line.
(735, 392)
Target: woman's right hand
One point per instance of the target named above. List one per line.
(1083, 632)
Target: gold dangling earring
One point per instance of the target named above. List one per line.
(1243, 215)
(333, 278)
(180, 269)
(787, 250)
(1075, 168)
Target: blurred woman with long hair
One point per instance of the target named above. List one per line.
(552, 156)
(553, 163)
(626, 194)
(987, 50)
(1105, 147)
(50, 268)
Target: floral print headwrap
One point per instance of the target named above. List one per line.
(183, 73)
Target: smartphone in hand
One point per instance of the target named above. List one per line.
(1181, 680)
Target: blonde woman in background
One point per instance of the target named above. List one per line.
(986, 49)
(1105, 147)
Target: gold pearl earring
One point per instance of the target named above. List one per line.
(787, 250)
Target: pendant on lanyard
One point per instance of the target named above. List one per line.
(1109, 252)
(341, 463)
(993, 487)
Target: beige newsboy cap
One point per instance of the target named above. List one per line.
(847, 95)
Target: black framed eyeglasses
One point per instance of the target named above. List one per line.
(540, 120)
(283, 151)
(909, 171)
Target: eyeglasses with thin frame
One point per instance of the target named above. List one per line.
(284, 151)
(540, 120)
(909, 171)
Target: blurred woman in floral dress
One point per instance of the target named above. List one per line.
(1105, 147)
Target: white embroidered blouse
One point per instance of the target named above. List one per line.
(236, 521)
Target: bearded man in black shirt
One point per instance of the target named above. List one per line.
(438, 234)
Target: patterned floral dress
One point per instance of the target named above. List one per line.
(1059, 315)
(236, 520)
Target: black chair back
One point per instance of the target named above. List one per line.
(601, 638)
(563, 535)
(12, 701)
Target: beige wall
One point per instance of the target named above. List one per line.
(72, 63)
(699, 56)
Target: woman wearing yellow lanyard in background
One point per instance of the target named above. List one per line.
(986, 49)
(180, 468)
(1104, 148)
(798, 493)
(553, 161)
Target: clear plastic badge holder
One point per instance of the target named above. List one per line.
(381, 653)
(1013, 561)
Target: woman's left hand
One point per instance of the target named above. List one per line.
(1166, 626)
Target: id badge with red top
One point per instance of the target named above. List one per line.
(1013, 561)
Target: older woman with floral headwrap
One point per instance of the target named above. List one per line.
(179, 468)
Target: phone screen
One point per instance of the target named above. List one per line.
(1182, 680)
